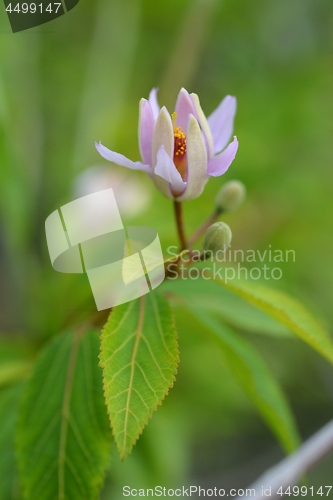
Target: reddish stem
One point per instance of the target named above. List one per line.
(202, 229)
(180, 224)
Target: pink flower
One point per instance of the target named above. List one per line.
(179, 152)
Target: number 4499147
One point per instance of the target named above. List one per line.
(31, 8)
(304, 491)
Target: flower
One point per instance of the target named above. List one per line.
(180, 152)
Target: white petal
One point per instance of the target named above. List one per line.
(166, 168)
(121, 159)
(196, 161)
(221, 122)
(204, 125)
(163, 136)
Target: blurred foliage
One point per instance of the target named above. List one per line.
(79, 79)
(63, 429)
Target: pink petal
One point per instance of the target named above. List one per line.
(121, 159)
(166, 169)
(220, 163)
(184, 108)
(196, 161)
(146, 130)
(221, 122)
(153, 102)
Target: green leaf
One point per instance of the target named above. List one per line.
(287, 311)
(16, 355)
(139, 356)
(255, 378)
(64, 437)
(10, 398)
(209, 295)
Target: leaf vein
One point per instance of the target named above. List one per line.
(159, 325)
(79, 438)
(119, 394)
(48, 473)
(137, 392)
(76, 476)
(65, 411)
(145, 378)
(128, 310)
(116, 374)
(45, 435)
(153, 357)
(120, 347)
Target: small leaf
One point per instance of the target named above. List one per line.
(287, 311)
(63, 437)
(10, 397)
(139, 356)
(255, 378)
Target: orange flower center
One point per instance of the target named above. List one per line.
(179, 155)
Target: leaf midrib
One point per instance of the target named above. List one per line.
(135, 349)
(65, 411)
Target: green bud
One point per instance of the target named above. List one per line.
(217, 238)
(230, 196)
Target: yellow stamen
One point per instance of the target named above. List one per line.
(179, 156)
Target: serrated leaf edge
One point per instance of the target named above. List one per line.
(122, 454)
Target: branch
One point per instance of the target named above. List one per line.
(202, 229)
(291, 470)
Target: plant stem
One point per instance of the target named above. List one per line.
(202, 229)
(180, 224)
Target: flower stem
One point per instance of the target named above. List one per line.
(202, 229)
(180, 224)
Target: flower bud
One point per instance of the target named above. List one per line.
(230, 196)
(217, 238)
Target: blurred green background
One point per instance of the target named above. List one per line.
(79, 79)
